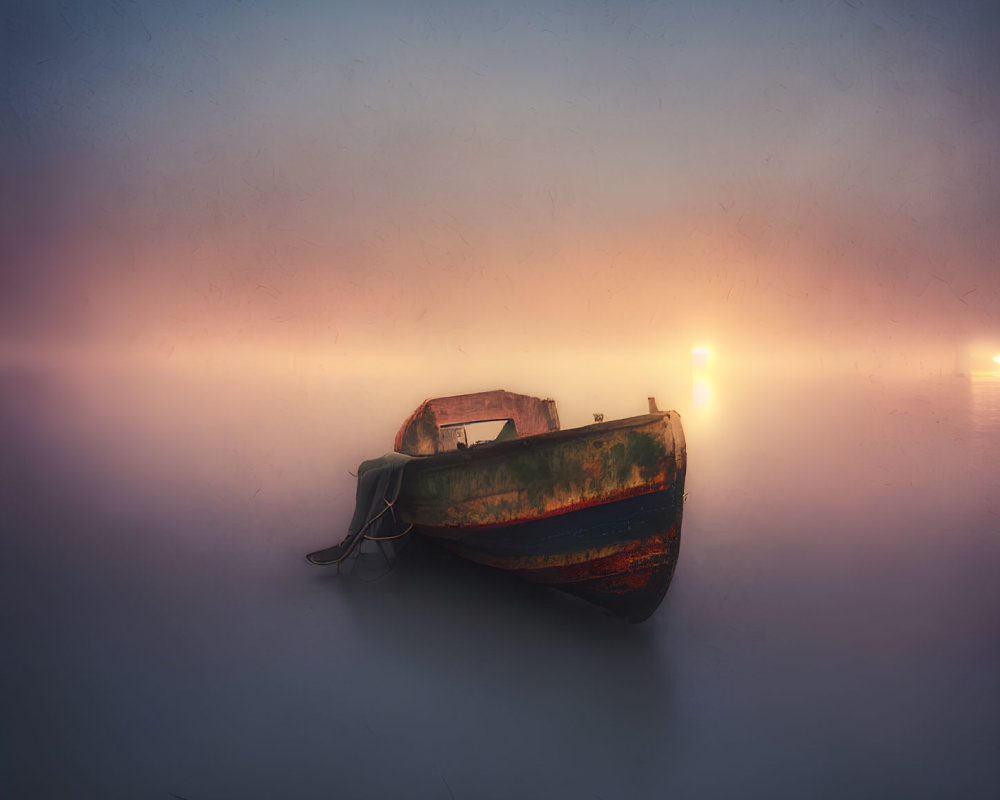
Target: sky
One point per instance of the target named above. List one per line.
(432, 178)
(253, 202)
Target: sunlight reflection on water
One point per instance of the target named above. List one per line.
(985, 391)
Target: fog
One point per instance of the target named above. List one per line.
(241, 242)
(831, 627)
(429, 179)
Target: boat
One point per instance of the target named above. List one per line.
(594, 511)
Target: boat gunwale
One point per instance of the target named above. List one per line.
(487, 450)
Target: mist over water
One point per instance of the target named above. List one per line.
(831, 628)
(240, 242)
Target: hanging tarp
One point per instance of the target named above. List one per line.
(379, 482)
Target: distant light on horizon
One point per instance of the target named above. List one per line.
(700, 356)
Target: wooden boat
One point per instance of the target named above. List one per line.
(594, 511)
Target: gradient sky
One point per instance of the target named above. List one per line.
(441, 176)
(253, 202)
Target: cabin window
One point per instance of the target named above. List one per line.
(468, 434)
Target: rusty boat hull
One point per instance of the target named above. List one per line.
(594, 511)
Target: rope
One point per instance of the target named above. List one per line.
(388, 507)
(390, 538)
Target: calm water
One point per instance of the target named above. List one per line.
(833, 629)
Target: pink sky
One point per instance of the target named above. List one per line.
(442, 178)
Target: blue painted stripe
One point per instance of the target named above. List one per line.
(631, 518)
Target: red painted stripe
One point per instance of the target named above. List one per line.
(631, 568)
(597, 500)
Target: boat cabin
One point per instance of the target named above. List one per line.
(443, 424)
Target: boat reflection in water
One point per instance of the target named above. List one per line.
(593, 511)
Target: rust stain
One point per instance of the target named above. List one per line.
(541, 476)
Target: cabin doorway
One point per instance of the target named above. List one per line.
(469, 434)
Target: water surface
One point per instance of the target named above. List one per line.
(832, 629)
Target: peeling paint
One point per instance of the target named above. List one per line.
(595, 511)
